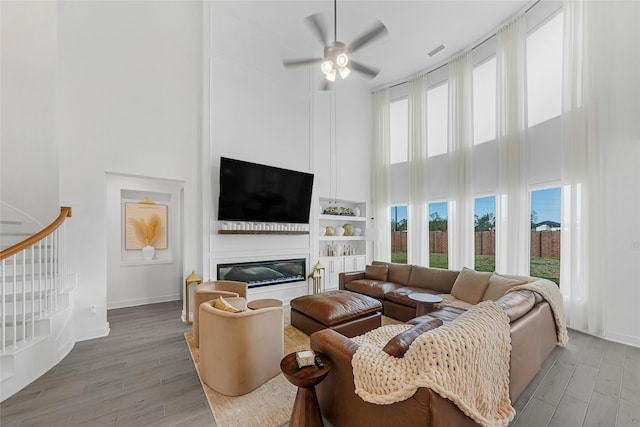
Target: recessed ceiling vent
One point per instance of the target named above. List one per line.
(436, 50)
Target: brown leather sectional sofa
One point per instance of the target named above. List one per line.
(533, 337)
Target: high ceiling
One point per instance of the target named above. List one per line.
(415, 28)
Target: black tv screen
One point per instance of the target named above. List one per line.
(255, 192)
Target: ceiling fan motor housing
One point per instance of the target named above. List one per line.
(335, 53)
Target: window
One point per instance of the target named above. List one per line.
(544, 71)
(399, 131)
(545, 234)
(438, 237)
(399, 234)
(437, 125)
(485, 233)
(484, 102)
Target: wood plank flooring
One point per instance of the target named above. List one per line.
(142, 374)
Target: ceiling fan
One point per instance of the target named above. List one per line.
(337, 55)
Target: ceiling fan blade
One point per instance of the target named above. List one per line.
(326, 85)
(316, 23)
(364, 69)
(378, 30)
(290, 63)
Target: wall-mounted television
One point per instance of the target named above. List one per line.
(261, 193)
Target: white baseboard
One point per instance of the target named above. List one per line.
(142, 301)
(623, 339)
(93, 333)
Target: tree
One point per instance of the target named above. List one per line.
(486, 222)
(534, 220)
(437, 223)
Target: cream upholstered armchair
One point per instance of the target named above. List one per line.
(239, 351)
(208, 291)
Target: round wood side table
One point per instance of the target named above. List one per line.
(424, 302)
(306, 410)
(264, 303)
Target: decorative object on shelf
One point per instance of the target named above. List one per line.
(317, 278)
(192, 278)
(332, 210)
(323, 230)
(356, 211)
(348, 229)
(148, 252)
(338, 250)
(346, 211)
(357, 231)
(329, 231)
(339, 231)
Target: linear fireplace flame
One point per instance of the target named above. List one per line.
(264, 273)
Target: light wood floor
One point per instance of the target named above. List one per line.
(142, 374)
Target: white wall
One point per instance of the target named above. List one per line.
(262, 113)
(29, 155)
(129, 103)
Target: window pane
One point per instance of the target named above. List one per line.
(545, 234)
(399, 234)
(438, 243)
(485, 233)
(544, 71)
(437, 112)
(484, 102)
(399, 130)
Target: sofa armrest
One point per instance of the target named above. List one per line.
(344, 278)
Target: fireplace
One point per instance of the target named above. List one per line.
(264, 273)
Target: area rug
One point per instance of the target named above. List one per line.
(268, 405)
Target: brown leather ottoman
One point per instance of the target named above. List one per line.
(348, 313)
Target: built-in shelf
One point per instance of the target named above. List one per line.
(346, 218)
(342, 238)
(261, 232)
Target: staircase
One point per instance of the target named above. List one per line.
(36, 298)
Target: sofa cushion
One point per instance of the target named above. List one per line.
(446, 314)
(517, 303)
(398, 273)
(437, 279)
(499, 285)
(401, 295)
(376, 272)
(373, 288)
(398, 345)
(470, 285)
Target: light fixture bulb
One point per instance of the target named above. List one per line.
(331, 75)
(342, 60)
(327, 66)
(344, 72)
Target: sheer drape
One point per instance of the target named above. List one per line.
(513, 223)
(418, 236)
(582, 170)
(380, 176)
(460, 144)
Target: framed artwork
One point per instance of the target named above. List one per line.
(145, 223)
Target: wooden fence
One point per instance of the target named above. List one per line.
(543, 243)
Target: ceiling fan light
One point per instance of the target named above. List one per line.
(344, 72)
(327, 66)
(331, 75)
(342, 60)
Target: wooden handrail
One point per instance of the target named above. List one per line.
(65, 211)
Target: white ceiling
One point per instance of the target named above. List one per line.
(415, 28)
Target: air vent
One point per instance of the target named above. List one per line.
(436, 50)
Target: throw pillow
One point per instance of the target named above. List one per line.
(499, 285)
(222, 304)
(470, 285)
(376, 272)
(398, 345)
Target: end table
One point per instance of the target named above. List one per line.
(306, 410)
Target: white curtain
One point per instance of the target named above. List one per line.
(513, 216)
(381, 225)
(460, 148)
(582, 170)
(417, 234)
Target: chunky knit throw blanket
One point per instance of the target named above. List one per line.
(465, 361)
(551, 293)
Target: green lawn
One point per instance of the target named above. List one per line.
(486, 263)
(399, 257)
(546, 268)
